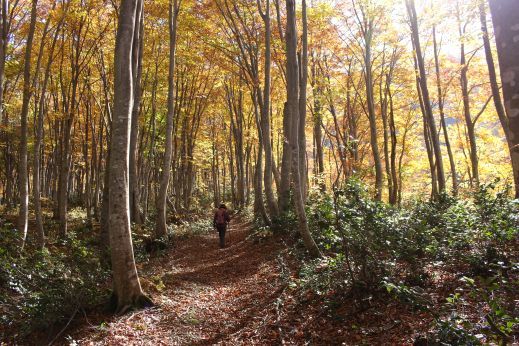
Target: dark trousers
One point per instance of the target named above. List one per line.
(221, 232)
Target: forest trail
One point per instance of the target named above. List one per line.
(204, 295)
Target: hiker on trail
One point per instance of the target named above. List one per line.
(220, 222)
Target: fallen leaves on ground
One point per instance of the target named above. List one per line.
(205, 295)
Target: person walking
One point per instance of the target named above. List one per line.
(220, 222)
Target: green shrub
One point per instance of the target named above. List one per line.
(373, 245)
(498, 215)
(40, 289)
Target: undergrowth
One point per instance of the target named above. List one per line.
(376, 250)
(41, 291)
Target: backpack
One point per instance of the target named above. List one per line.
(220, 217)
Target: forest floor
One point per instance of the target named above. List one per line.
(239, 295)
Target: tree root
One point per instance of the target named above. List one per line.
(140, 301)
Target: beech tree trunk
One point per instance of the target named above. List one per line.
(498, 103)
(286, 163)
(259, 206)
(38, 141)
(160, 223)
(4, 133)
(293, 109)
(506, 28)
(235, 104)
(265, 121)
(368, 29)
(138, 42)
(471, 131)
(317, 120)
(426, 134)
(70, 108)
(104, 215)
(303, 82)
(442, 116)
(393, 197)
(431, 122)
(23, 179)
(127, 291)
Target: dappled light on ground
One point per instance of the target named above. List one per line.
(204, 295)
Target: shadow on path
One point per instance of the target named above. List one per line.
(205, 295)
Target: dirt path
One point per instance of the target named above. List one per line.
(205, 295)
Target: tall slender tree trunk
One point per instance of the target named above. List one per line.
(426, 135)
(317, 130)
(160, 223)
(37, 144)
(98, 169)
(65, 162)
(370, 100)
(384, 105)
(431, 122)
(393, 197)
(235, 105)
(138, 43)
(471, 133)
(23, 179)
(286, 163)
(127, 291)
(303, 82)
(293, 109)
(265, 112)
(4, 134)
(259, 206)
(442, 116)
(506, 24)
(105, 198)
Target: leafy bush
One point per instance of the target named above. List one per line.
(498, 215)
(193, 228)
(321, 274)
(40, 289)
(497, 324)
(375, 245)
(413, 296)
(500, 322)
